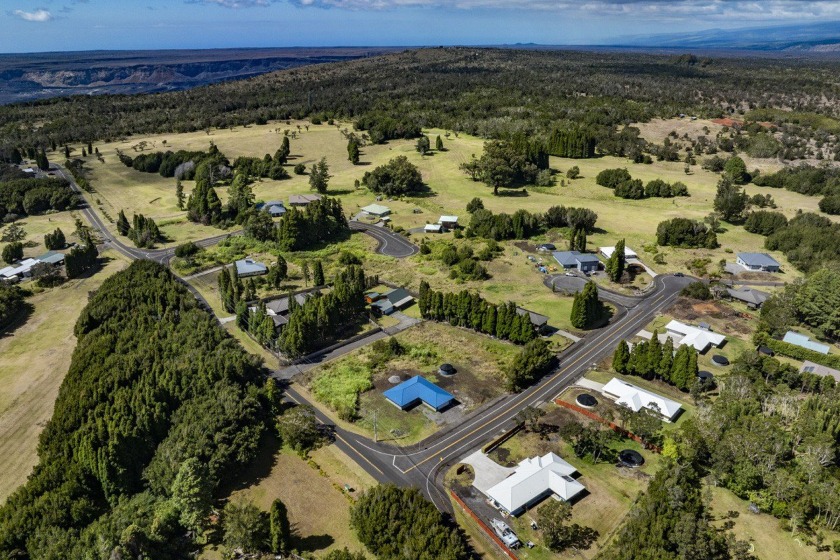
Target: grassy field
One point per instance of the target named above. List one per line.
(37, 226)
(34, 356)
(763, 531)
(301, 484)
(611, 490)
(480, 361)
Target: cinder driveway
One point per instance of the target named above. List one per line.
(488, 472)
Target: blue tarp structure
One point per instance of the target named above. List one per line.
(418, 389)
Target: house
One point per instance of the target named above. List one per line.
(303, 199)
(753, 298)
(448, 222)
(391, 301)
(761, 262)
(18, 271)
(635, 398)
(433, 228)
(532, 481)
(281, 306)
(376, 210)
(819, 369)
(607, 252)
(583, 262)
(275, 208)
(700, 339)
(419, 390)
(539, 321)
(249, 267)
(803, 341)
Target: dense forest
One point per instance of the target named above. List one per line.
(493, 93)
(159, 405)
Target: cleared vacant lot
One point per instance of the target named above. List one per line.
(34, 358)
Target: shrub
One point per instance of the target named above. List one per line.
(300, 169)
(697, 290)
(186, 250)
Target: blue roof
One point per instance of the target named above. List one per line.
(803, 341)
(419, 389)
(758, 259)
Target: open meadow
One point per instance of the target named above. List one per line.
(35, 227)
(34, 357)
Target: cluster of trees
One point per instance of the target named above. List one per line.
(811, 302)
(587, 309)
(731, 201)
(682, 232)
(462, 260)
(21, 197)
(55, 240)
(13, 252)
(809, 241)
(324, 318)
(804, 179)
(652, 359)
(267, 166)
(132, 453)
(624, 186)
(510, 164)
(400, 524)
(321, 221)
(533, 361)
(571, 143)
(557, 533)
(523, 224)
(765, 222)
(383, 127)
(81, 258)
(251, 531)
(396, 178)
(12, 303)
(180, 164)
(670, 521)
(468, 309)
(141, 230)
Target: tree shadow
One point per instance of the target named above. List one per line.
(20, 319)
(340, 192)
(312, 543)
(257, 470)
(518, 193)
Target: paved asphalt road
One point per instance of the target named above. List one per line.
(423, 465)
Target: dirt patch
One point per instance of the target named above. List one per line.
(688, 310)
(525, 246)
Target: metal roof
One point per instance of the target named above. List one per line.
(419, 389)
(755, 297)
(248, 266)
(758, 259)
(51, 257)
(635, 398)
(536, 319)
(573, 258)
(448, 219)
(376, 209)
(532, 479)
(803, 341)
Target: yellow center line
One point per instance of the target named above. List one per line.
(562, 372)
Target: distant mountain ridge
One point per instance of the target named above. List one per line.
(29, 77)
(810, 37)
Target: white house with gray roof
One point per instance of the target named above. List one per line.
(758, 262)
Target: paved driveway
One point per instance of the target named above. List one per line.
(488, 472)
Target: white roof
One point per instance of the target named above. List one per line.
(447, 219)
(700, 339)
(635, 398)
(376, 209)
(22, 267)
(533, 478)
(6, 272)
(608, 251)
(432, 227)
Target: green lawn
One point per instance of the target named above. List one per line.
(35, 227)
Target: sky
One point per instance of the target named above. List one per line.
(70, 25)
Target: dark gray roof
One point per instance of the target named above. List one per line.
(281, 306)
(758, 259)
(755, 297)
(398, 296)
(572, 258)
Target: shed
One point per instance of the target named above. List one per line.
(433, 228)
(758, 262)
(419, 390)
(51, 257)
(399, 297)
(448, 222)
(249, 267)
(376, 210)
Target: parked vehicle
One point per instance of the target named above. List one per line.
(505, 533)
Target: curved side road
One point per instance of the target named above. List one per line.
(390, 243)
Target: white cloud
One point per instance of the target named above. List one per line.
(235, 4)
(741, 9)
(39, 15)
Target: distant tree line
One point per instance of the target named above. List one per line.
(470, 310)
(571, 143)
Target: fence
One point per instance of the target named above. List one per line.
(612, 425)
(483, 526)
